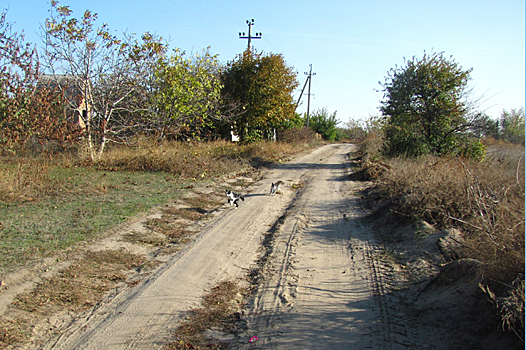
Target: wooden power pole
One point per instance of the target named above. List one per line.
(250, 37)
(309, 78)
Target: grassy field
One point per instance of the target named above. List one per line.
(50, 203)
(86, 202)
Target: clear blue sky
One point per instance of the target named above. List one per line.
(350, 44)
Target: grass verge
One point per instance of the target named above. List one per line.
(48, 204)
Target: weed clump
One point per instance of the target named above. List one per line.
(219, 314)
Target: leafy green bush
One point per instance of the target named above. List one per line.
(512, 126)
(324, 124)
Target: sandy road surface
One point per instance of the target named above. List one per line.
(319, 283)
(323, 283)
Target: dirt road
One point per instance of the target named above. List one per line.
(322, 276)
(321, 284)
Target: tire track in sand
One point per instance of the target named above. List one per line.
(321, 285)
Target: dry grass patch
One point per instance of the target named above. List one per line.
(82, 284)
(199, 161)
(220, 314)
(13, 332)
(72, 289)
(484, 200)
(204, 202)
(26, 180)
(263, 153)
(193, 214)
(145, 238)
(175, 232)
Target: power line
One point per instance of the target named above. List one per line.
(222, 14)
(268, 41)
(180, 25)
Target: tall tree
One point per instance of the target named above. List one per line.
(186, 95)
(111, 74)
(25, 110)
(263, 86)
(425, 107)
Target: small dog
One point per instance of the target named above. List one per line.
(233, 198)
(275, 187)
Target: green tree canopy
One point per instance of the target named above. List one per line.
(262, 87)
(187, 94)
(512, 125)
(324, 124)
(425, 107)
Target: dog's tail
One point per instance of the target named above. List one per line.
(242, 197)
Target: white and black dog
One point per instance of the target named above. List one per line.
(233, 198)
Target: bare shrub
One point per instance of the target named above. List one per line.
(297, 135)
(484, 200)
(371, 164)
(372, 144)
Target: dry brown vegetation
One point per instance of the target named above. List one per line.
(82, 284)
(196, 160)
(219, 315)
(25, 177)
(79, 286)
(484, 200)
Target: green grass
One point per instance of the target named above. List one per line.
(86, 202)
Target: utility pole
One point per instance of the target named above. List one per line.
(309, 78)
(301, 94)
(249, 37)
